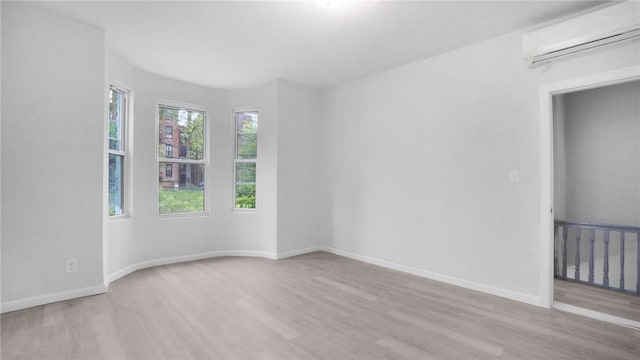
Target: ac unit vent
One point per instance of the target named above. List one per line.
(611, 25)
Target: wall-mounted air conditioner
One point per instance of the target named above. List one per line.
(610, 25)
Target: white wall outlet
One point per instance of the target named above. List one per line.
(514, 176)
(72, 265)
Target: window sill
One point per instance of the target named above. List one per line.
(118, 218)
(244, 211)
(183, 215)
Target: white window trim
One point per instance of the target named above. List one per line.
(205, 162)
(235, 160)
(127, 146)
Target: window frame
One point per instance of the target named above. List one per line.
(236, 160)
(205, 154)
(124, 152)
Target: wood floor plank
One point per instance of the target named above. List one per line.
(313, 306)
(465, 340)
(606, 301)
(268, 320)
(346, 288)
(403, 349)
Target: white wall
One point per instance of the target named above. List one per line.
(52, 152)
(300, 198)
(602, 142)
(411, 165)
(256, 230)
(39, 240)
(145, 236)
(420, 155)
(286, 174)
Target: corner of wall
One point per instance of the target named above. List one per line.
(299, 200)
(69, 227)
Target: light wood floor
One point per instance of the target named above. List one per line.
(597, 299)
(314, 306)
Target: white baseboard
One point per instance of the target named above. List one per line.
(597, 315)
(100, 289)
(178, 259)
(287, 254)
(509, 294)
(51, 298)
(212, 254)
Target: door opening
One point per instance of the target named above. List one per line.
(589, 237)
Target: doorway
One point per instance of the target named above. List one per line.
(590, 204)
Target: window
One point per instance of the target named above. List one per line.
(184, 192)
(116, 152)
(246, 156)
(168, 132)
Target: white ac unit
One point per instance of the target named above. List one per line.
(610, 25)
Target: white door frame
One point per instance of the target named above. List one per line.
(546, 93)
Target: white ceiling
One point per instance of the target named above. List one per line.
(242, 44)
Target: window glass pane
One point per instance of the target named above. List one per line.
(189, 145)
(116, 195)
(246, 185)
(247, 146)
(116, 114)
(183, 191)
(247, 135)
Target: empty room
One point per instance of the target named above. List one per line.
(320, 179)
